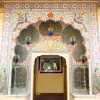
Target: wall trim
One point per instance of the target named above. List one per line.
(25, 1)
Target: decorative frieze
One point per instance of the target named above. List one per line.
(81, 15)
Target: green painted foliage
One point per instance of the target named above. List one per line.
(45, 25)
(79, 52)
(21, 73)
(58, 27)
(43, 28)
(69, 32)
(21, 78)
(28, 35)
(21, 52)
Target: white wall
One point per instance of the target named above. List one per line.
(98, 12)
(25, 98)
(12, 98)
(87, 98)
(97, 97)
(1, 24)
(1, 32)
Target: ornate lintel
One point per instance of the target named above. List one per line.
(7, 1)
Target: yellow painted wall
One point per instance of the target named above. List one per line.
(98, 10)
(50, 83)
(1, 21)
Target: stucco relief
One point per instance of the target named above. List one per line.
(80, 15)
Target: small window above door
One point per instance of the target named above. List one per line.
(50, 64)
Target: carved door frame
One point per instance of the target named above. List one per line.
(64, 55)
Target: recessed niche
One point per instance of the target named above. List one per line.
(80, 79)
(50, 64)
(19, 79)
(96, 81)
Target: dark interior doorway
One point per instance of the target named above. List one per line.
(50, 78)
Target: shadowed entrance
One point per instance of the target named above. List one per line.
(50, 78)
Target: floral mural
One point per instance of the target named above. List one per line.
(63, 28)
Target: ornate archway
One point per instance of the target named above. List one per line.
(49, 36)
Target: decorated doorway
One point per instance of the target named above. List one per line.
(50, 78)
(62, 28)
(50, 36)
